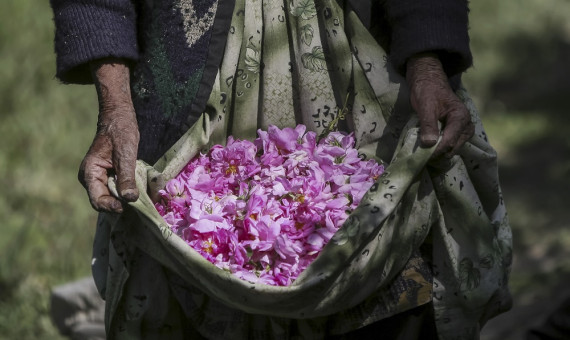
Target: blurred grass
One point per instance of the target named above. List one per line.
(45, 128)
(519, 81)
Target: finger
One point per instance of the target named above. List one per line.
(124, 159)
(463, 138)
(446, 144)
(457, 130)
(107, 203)
(429, 129)
(95, 181)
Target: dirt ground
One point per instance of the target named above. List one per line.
(524, 316)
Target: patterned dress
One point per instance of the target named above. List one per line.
(204, 70)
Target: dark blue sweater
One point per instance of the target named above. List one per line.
(173, 71)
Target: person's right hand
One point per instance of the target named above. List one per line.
(114, 148)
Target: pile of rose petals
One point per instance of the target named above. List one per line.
(264, 210)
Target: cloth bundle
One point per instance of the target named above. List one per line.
(329, 61)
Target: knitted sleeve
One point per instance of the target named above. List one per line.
(87, 30)
(439, 26)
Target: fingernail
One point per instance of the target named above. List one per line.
(429, 138)
(129, 194)
(117, 207)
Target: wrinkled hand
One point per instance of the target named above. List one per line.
(114, 148)
(434, 101)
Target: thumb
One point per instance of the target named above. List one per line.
(429, 128)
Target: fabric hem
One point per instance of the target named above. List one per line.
(218, 40)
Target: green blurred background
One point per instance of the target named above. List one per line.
(520, 81)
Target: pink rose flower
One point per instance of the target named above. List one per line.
(264, 210)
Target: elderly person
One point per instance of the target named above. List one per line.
(153, 64)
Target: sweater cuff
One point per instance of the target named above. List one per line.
(439, 26)
(88, 30)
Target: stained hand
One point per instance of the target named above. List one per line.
(434, 101)
(114, 148)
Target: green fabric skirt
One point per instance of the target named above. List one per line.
(424, 232)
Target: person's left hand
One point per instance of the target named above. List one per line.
(434, 101)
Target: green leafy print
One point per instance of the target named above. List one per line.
(304, 9)
(314, 60)
(252, 58)
(469, 276)
(307, 34)
(487, 261)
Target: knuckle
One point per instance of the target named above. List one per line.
(81, 177)
(471, 130)
(106, 204)
(428, 122)
(95, 204)
(447, 147)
